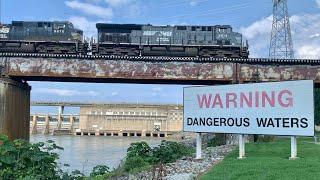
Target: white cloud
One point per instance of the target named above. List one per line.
(258, 35)
(116, 3)
(90, 9)
(194, 2)
(85, 25)
(315, 35)
(309, 51)
(64, 92)
(89, 27)
(126, 8)
(305, 36)
(261, 27)
(318, 3)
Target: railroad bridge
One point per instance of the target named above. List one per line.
(17, 69)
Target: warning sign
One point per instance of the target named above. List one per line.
(278, 108)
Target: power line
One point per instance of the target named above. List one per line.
(224, 11)
(210, 12)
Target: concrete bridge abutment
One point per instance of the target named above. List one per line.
(14, 108)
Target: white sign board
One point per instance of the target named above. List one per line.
(277, 108)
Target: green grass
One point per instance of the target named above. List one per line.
(270, 161)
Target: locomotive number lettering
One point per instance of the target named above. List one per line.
(163, 39)
(4, 30)
(3, 36)
(58, 31)
(158, 33)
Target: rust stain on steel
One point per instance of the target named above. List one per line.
(119, 69)
(147, 70)
(14, 109)
(280, 72)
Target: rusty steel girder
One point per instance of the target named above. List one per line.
(154, 72)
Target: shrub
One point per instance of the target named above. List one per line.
(141, 149)
(21, 159)
(99, 170)
(140, 155)
(134, 163)
(169, 151)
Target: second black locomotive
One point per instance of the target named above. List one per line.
(149, 40)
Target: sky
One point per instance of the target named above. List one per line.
(253, 18)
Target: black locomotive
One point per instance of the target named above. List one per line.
(58, 37)
(149, 40)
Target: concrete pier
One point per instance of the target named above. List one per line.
(60, 118)
(71, 124)
(34, 125)
(46, 125)
(49, 123)
(14, 108)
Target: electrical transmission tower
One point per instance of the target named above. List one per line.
(281, 41)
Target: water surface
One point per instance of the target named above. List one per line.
(85, 152)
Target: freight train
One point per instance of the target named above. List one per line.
(61, 37)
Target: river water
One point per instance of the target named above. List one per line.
(84, 152)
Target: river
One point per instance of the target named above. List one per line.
(84, 152)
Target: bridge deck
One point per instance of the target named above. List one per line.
(155, 70)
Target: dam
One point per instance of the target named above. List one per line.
(137, 120)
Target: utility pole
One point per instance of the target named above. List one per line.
(281, 42)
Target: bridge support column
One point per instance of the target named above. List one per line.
(143, 133)
(60, 113)
(34, 124)
(71, 123)
(14, 108)
(46, 125)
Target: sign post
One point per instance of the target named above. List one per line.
(277, 108)
(242, 153)
(199, 146)
(293, 148)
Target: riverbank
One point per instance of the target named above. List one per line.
(186, 167)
